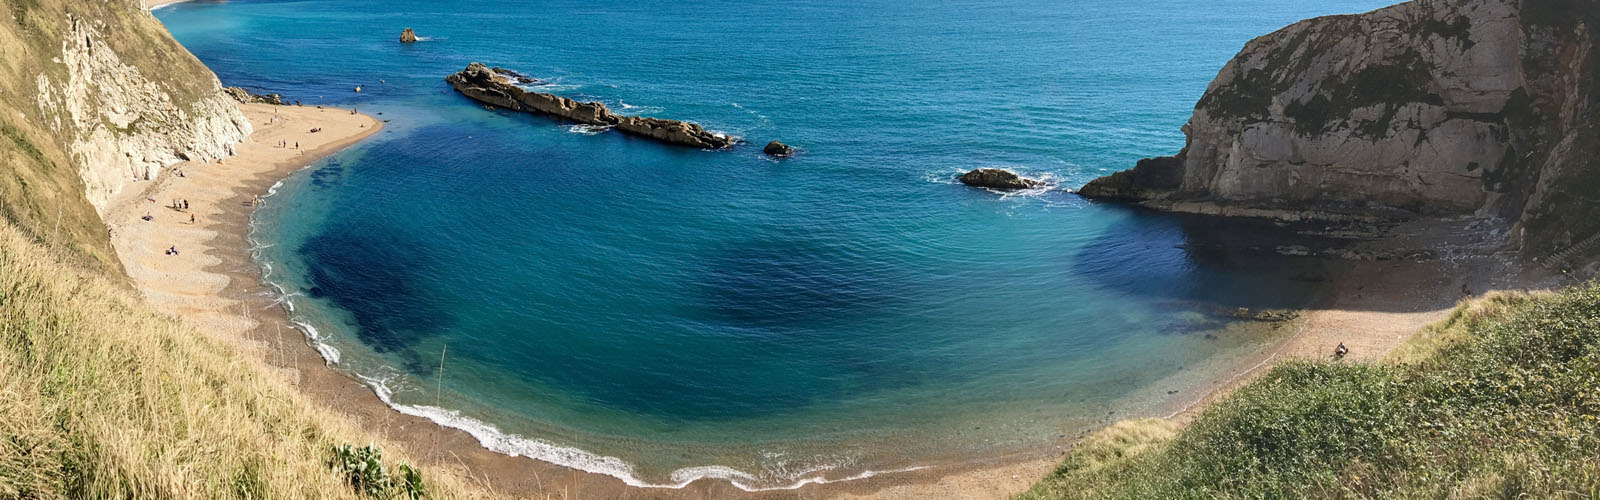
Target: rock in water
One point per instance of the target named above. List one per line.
(408, 36)
(995, 178)
(777, 149)
(485, 85)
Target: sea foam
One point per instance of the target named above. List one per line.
(494, 439)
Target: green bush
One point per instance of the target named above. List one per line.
(363, 468)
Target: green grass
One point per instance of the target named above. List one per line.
(1501, 400)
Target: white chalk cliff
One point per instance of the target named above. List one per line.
(1424, 108)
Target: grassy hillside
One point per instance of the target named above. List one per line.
(1502, 400)
(101, 398)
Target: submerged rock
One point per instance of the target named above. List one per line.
(1265, 316)
(408, 36)
(777, 149)
(995, 178)
(485, 85)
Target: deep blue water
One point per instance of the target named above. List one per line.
(693, 313)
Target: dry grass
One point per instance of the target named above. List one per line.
(102, 398)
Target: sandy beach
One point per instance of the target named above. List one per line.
(213, 284)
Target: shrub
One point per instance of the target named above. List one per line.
(364, 470)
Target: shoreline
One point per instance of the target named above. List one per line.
(214, 283)
(221, 287)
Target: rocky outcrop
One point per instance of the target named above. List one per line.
(484, 85)
(121, 125)
(1422, 108)
(994, 178)
(248, 97)
(97, 98)
(408, 36)
(777, 149)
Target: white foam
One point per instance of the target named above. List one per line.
(587, 129)
(329, 353)
(494, 439)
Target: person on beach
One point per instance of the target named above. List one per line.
(1467, 292)
(1339, 352)
(185, 204)
(191, 218)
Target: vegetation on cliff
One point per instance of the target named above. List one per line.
(1501, 400)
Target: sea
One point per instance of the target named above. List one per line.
(663, 314)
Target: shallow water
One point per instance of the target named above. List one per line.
(662, 313)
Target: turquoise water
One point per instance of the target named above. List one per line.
(662, 314)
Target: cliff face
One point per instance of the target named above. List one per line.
(95, 97)
(1423, 108)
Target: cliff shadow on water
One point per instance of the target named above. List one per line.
(1218, 265)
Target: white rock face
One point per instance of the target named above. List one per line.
(1424, 108)
(121, 126)
(1374, 109)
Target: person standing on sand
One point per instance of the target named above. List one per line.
(1339, 352)
(191, 218)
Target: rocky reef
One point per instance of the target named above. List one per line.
(483, 84)
(994, 178)
(1424, 108)
(408, 36)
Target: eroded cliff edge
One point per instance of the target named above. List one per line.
(96, 97)
(1426, 108)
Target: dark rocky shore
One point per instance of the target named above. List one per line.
(483, 84)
